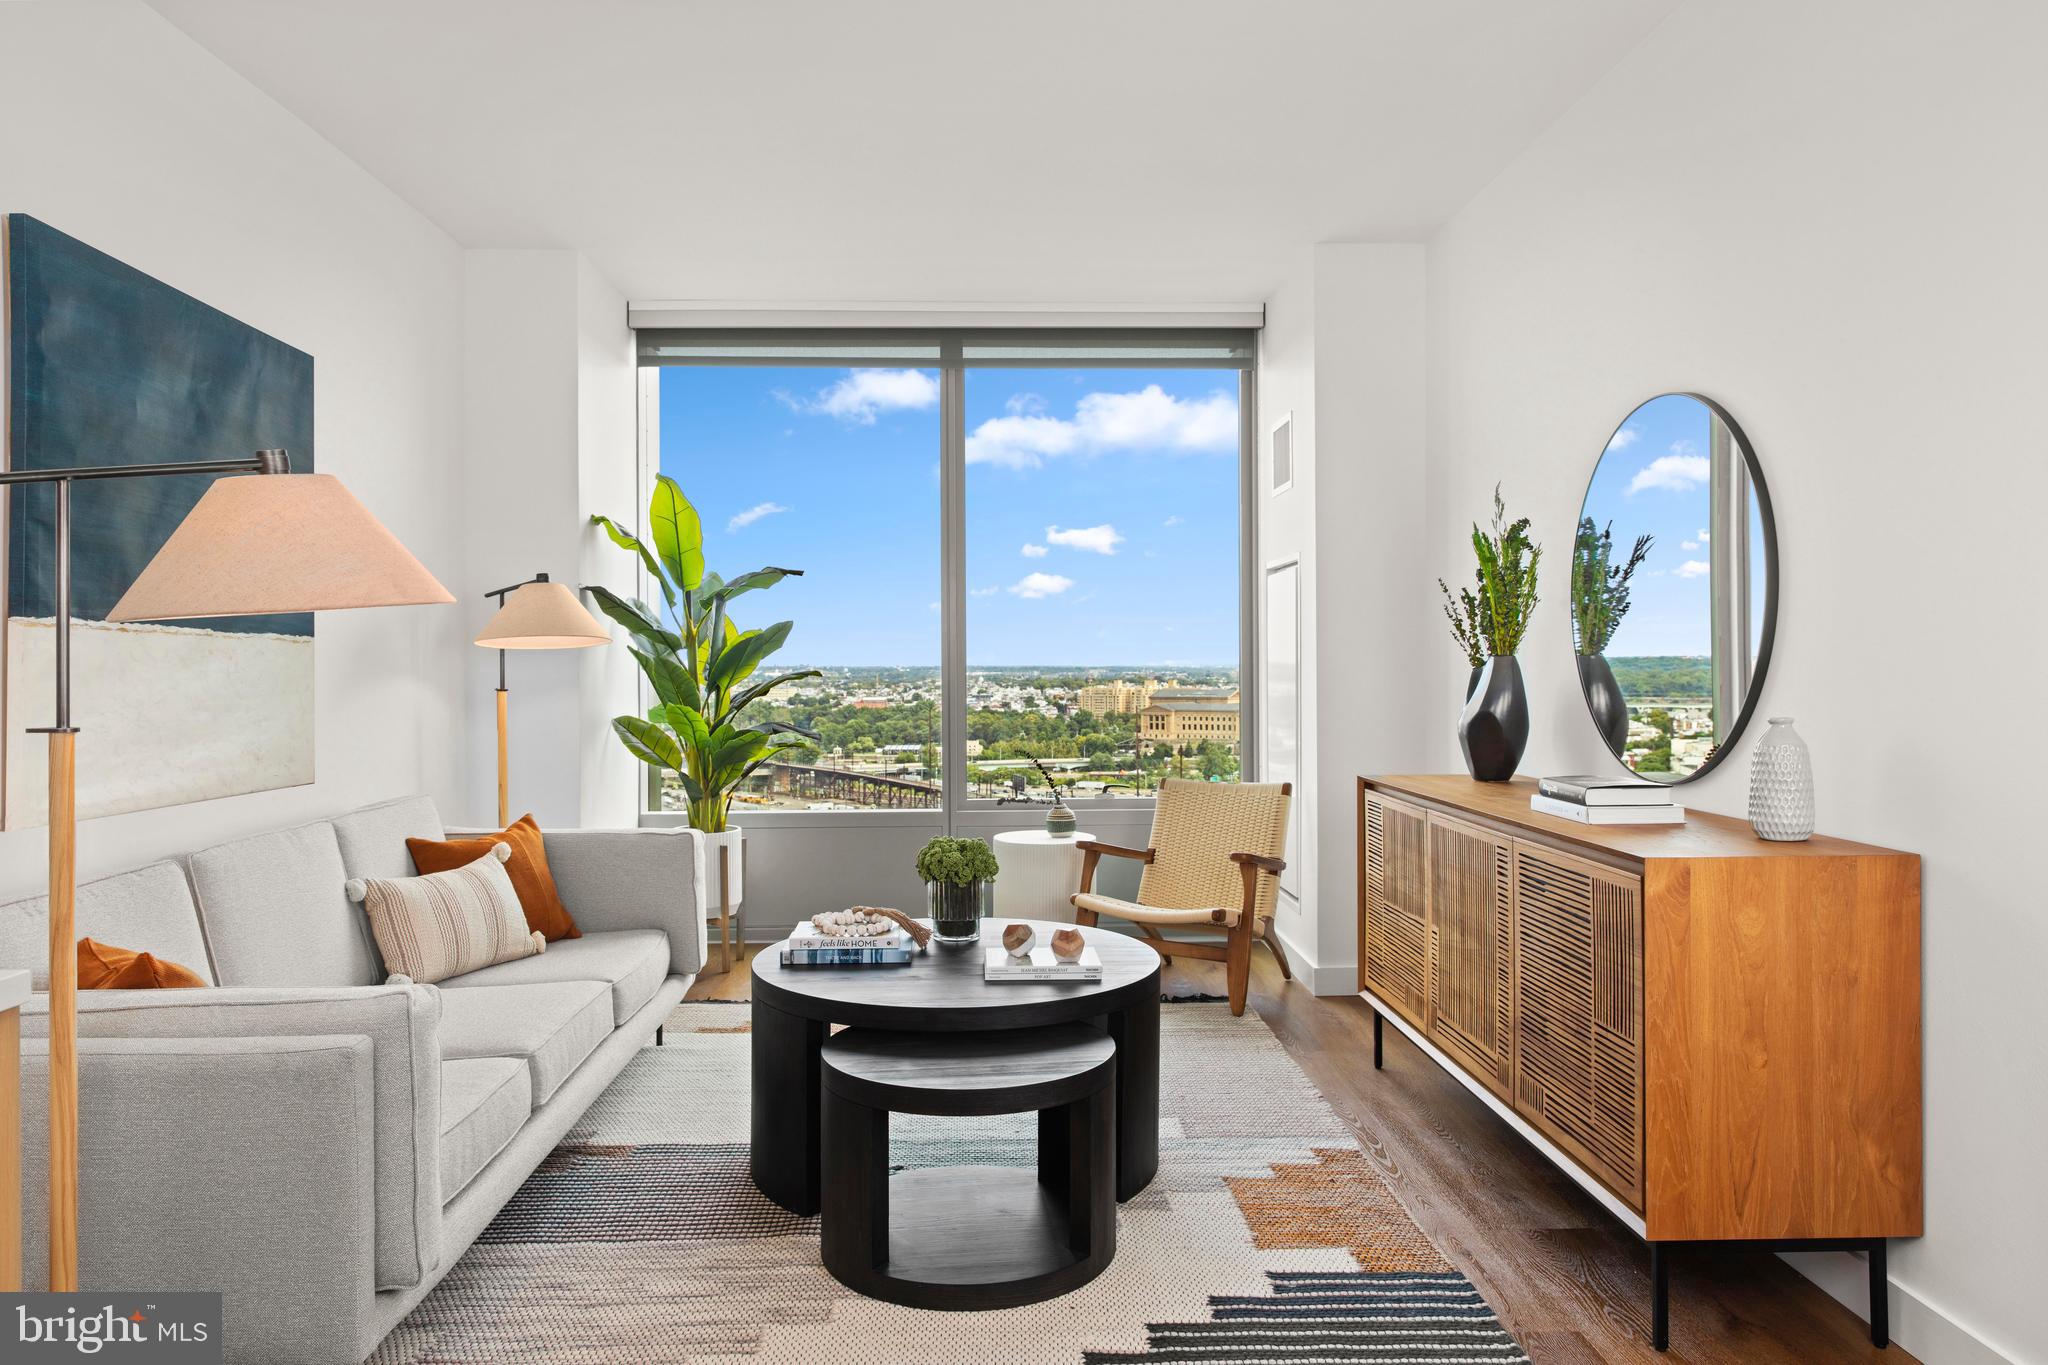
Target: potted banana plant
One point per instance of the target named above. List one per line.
(701, 667)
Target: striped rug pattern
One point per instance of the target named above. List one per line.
(1388, 1317)
(1267, 1236)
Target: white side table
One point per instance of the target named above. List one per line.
(1040, 872)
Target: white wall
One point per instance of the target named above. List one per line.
(1828, 216)
(549, 438)
(1287, 531)
(1343, 351)
(1370, 424)
(123, 133)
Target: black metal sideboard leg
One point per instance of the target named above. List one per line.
(1379, 1024)
(657, 1034)
(1880, 1297)
(1660, 1298)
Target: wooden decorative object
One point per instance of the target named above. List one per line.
(1717, 1035)
(920, 932)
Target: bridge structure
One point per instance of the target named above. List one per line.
(888, 791)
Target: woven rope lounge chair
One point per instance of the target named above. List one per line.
(1214, 864)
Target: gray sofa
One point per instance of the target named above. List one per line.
(318, 1146)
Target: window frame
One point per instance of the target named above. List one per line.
(948, 352)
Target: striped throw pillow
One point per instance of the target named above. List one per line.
(442, 925)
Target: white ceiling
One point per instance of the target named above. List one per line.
(1030, 150)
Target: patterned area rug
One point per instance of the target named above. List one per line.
(1267, 1236)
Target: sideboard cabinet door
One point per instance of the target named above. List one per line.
(1471, 949)
(1396, 905)
(1578, 1011)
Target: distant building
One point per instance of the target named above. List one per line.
(1119, 698)
(1228, 694)
(1178, 720)
(871, 703)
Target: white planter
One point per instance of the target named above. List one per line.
(708, 889)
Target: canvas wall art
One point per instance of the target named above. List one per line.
(105, 365)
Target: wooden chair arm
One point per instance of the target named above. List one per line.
(1251, 865)
(1143, 855)
(1092, 852)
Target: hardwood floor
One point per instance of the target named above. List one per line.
(1571, 1283)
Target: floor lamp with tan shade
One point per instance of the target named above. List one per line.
(536, 614)
(281, 542)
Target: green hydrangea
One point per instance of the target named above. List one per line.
(957, 862)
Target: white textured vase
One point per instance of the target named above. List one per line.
(1781, 785)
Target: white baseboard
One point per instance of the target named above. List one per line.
(1917, 1325)
(1321, 978)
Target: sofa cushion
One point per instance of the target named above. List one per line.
(431, 928)
(149, 909)
(275, 914)
(631, 961)
(103, 967)
(527, 867)
(372, 840)
(484, 1102)
(553, 1025)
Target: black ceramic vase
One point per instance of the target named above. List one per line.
(1495, 727)
(1604, 700)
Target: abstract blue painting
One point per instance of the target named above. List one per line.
(106, 365)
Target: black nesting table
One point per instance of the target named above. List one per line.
(942, 992)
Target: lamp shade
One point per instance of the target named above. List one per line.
(543, 616)
(262, 543)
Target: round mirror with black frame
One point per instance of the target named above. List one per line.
(1674, 587)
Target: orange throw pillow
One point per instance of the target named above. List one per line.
(528, 869)
(103, 968)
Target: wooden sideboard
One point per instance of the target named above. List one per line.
(1717, 1035)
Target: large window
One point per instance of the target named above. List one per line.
(1021, 555)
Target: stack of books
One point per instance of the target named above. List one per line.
(1606, 801)
(808, 946)
(1041, 965)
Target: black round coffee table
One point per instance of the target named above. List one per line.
(943, 991)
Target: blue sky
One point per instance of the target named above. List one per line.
(1653, 478)
(1101, 509)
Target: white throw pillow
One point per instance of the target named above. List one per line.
(447, 923)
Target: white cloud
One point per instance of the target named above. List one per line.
(1675, 473)
(1692, 568)
(1171, 521)
(1688, 545)
(1034, 551)
(752, 515)
(1704, 537)
(1041, 584)
(1101, 540)
(934, 606)
(1023, 404)
(1149, 419)
(1623, 439)
(990, 591)
(862, 394)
